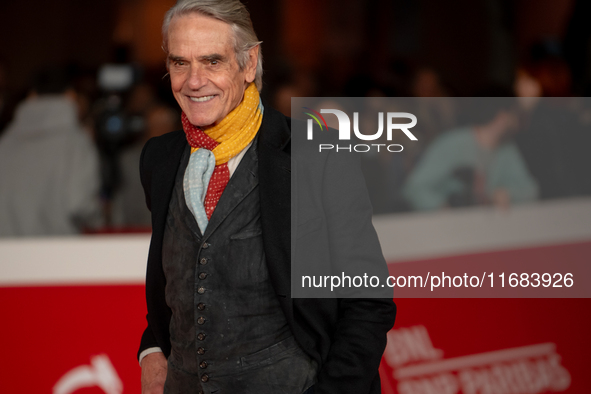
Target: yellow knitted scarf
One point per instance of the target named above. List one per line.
(238, 128)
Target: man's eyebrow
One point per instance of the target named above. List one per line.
(213, 56)
(207, 58)
(175, 58)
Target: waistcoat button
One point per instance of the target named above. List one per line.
(200, 350)
(204, 378)
(202, 275)
(203, 364)
(201, 336)
(203, 261)
(201, 320)
(201, 290)
(201, 306)
(205, 245)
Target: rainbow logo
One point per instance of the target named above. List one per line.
(316, 118)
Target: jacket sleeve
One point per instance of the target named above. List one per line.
(158, 165)
(148, 339)
(146, 176)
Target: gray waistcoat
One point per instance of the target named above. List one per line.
(228, 332)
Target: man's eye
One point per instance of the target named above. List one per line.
(213, 62)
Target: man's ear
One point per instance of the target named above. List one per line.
(251, 65)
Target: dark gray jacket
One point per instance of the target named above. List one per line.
(345, 336)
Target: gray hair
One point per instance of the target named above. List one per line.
(232, 12)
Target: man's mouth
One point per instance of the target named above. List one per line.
(201, 99)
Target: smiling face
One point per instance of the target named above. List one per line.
(205, 77)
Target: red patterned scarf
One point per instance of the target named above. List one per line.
(225, 140)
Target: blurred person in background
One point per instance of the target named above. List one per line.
(433, 105)
(128, 208)
(49, 171)
(120, 120)
(475, 165)
(553, 137)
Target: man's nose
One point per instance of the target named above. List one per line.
(197, 77)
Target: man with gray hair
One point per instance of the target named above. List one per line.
(220, 314)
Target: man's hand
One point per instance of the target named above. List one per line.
(154, 369)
